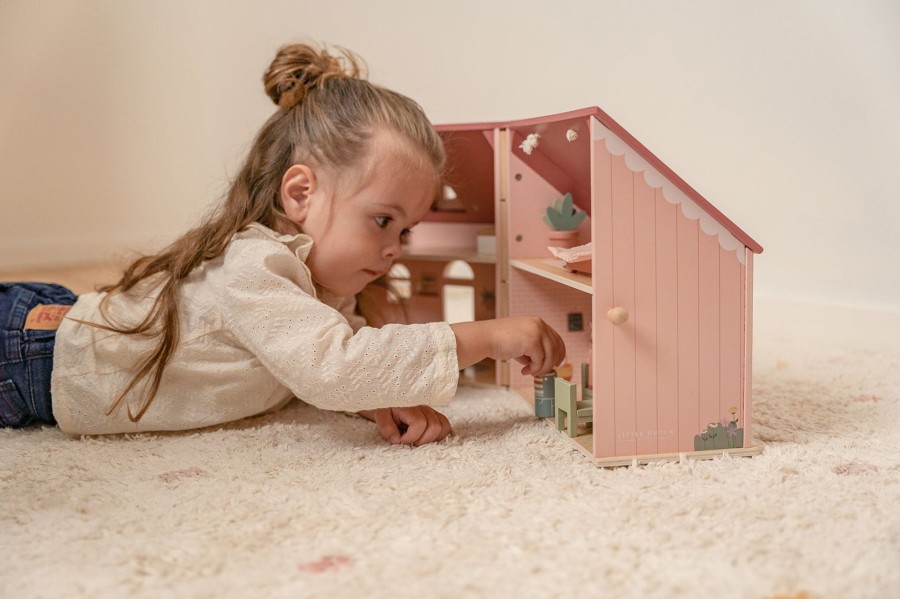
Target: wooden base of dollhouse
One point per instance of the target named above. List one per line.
(584, 444)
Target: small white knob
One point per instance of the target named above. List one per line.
(617, 315)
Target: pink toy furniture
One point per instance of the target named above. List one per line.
(665, 314)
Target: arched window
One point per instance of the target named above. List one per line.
(400, 283)
(459, 269)
(459, 298)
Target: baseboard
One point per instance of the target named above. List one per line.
(826, 323)
(826, 303)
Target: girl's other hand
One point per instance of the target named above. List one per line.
(410, 426)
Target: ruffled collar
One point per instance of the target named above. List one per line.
(300, 244)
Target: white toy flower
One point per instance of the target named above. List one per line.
(571, 134)
(530, 143)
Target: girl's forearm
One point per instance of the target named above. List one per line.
(473, 342)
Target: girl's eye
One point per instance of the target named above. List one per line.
(383, 221)
(405, 233)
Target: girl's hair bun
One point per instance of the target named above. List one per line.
(299, 68)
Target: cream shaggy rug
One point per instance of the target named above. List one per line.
(305, 503)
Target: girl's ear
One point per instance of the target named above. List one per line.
(297, 186)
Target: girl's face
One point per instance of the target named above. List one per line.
(357, 236)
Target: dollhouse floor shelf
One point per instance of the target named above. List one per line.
(549, 268)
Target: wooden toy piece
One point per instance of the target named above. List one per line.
(544, 396)
(564, 371)
(563, 219)
(587, 393)
(570, 409)
(530, 143)
(562, 215)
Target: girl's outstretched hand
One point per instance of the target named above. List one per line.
(525, 339)
(410, 426)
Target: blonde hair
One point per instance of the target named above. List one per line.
(327, 115)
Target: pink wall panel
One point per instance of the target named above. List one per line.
(534, 295)
(667, 324)
(561, 161)
(623, 295)
(529, 196)
(676, 365)
(470, 172)
(645, 298)
(689, 424)
(602, 235)
(708, 334)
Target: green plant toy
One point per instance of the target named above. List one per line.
(562, 214)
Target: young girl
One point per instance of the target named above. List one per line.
(256, 306)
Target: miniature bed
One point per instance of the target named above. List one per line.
(660, 306)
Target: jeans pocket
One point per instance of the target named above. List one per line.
(13, 409)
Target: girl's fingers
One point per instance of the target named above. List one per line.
(550, 351)
(384, 420)
(446, 428)
(424, 425)
(415, 423)
(411, 426)
(432, 430)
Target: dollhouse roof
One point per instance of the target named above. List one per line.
(573, 173)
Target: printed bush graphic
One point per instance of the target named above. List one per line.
(720, 435)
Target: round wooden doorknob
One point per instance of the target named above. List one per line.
(617, 315)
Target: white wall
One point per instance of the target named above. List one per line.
(120, 121)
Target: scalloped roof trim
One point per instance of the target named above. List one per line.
(673, 195)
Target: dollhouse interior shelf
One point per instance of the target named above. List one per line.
(444, 254)
(549, 269)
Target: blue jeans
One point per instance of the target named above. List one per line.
(26, 357)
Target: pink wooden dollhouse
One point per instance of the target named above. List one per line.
(665, 315)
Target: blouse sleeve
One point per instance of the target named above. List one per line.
(311, 349)
(346, 306)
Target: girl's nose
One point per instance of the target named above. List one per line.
(393, 250)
